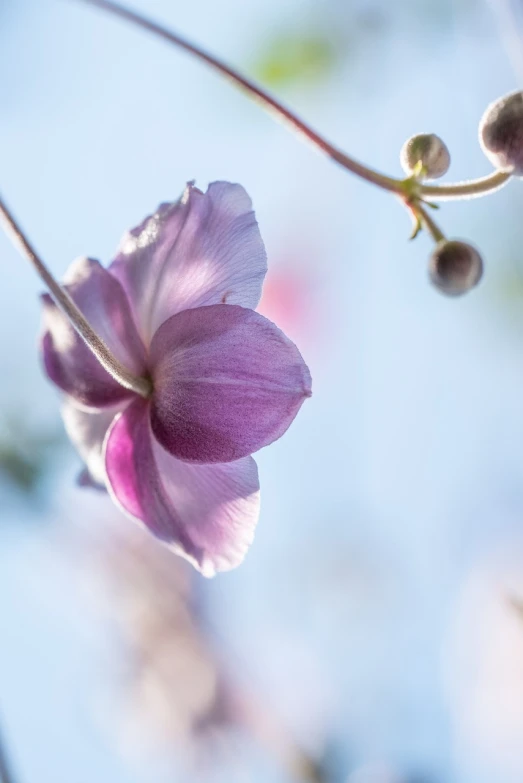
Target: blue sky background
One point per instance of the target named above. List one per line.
(373, 606)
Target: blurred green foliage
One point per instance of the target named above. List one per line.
(290, 56)
(26, 455)
(309, 49)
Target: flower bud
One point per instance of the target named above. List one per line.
(455, 267)
(428, 150)
(501, 133)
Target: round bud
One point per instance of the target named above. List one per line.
(455, 267)
(501, 133)
(428, 150)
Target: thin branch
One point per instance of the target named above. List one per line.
(429, 224)
(109, 362)
(255, 92)
(470, 189)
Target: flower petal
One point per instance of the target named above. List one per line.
(68, 361)
(206, 249)
(206, 513)
(87, 431)
(226, 382)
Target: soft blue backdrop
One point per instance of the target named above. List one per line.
(400, 485)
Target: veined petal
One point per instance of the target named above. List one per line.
(226, 382)
(87, 431)
(206, 249)
(206, 513)
(68, 361)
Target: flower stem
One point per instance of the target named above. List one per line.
(460, 190)
(256, 93)
(473, 188)
(429, 224)
(109, 362)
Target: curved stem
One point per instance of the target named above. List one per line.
(256, 93)
(429, 224)
(473, 188)
(109, 362)
(459, 190)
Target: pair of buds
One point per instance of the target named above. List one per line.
(456, 266)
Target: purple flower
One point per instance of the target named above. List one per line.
(175, 306)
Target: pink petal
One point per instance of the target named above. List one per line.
(226, 382)
(87, 431)
(206, 249)
(68, 361)
(206, 513)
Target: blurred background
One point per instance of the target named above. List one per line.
(374, 633)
